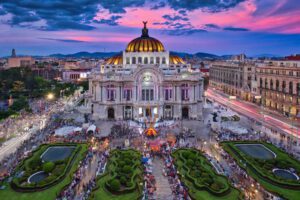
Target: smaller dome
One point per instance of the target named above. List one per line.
(174, 59)
(115, 60)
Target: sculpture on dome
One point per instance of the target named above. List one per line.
(145, 30)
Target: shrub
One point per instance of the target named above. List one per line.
(121, 163)
(192, 157)
(126, 169)
(115, 185)
(217, 185)
(129, 184)
(48, 167)
(207, 180)
(123, 180)
(58, 170)
(197, 173)
(190, 162)
(197, 163)
(127, 161)
(35, 162)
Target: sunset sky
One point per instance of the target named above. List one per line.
(42, 27)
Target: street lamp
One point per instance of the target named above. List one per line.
(50, 96)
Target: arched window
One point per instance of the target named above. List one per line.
(139, 60)
(157, 60)
(151, 60)
(266, 83)
(291, 87)
(127, 60)
(283, 86)
(145, 60)
(271, 84)
(133, 61)
(163, 60)
(277, 85)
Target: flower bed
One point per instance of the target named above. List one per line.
(122, 177)
(199, 175)
(262, 169)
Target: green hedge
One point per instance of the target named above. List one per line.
(31, 165)
(125, 167)
(213, 186)
(196, 162)
(261, 170)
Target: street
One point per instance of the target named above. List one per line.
(270, 120)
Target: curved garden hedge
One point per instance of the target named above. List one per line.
(261, 170)
(122, 177)
(197, 170)
(58, 173)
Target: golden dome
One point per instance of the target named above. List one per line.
(115, 60)
(176, 60)
(145, 43)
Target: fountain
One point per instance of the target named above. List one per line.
(285, 174)
(37, 177)
(56, 153)
(256, 151)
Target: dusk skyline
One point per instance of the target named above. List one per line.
(219, 27)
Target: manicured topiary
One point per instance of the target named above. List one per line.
(127, 161)
(35, 162)
(126, 169)
(48, 167)
(190, 162)
(121, 163)
(123, 180)
(115, 185)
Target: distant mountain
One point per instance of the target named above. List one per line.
(201, 55)
(266, 55)
(198, 55)
(84, 54)
(109, 54)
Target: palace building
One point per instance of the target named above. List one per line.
(145, 81)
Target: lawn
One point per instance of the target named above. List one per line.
(261, 169)
(130, 180)
(200, 177)
(48, 194)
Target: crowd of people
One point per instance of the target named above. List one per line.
(72, 190)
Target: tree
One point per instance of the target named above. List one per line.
(18, 86)
(115, 185)
(19, 104)
(48, 167)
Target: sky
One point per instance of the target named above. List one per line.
(222, 27)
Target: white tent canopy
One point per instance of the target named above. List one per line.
(63, 131)
(77, 129)
(91, 128)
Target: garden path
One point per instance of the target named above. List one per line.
(163, 189)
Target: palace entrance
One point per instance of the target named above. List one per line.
(185, 112)
(148, 112)
(111, 113)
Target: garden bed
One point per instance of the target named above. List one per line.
(48, 188)
(263, 169)
(123, 178)
(200, 177)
